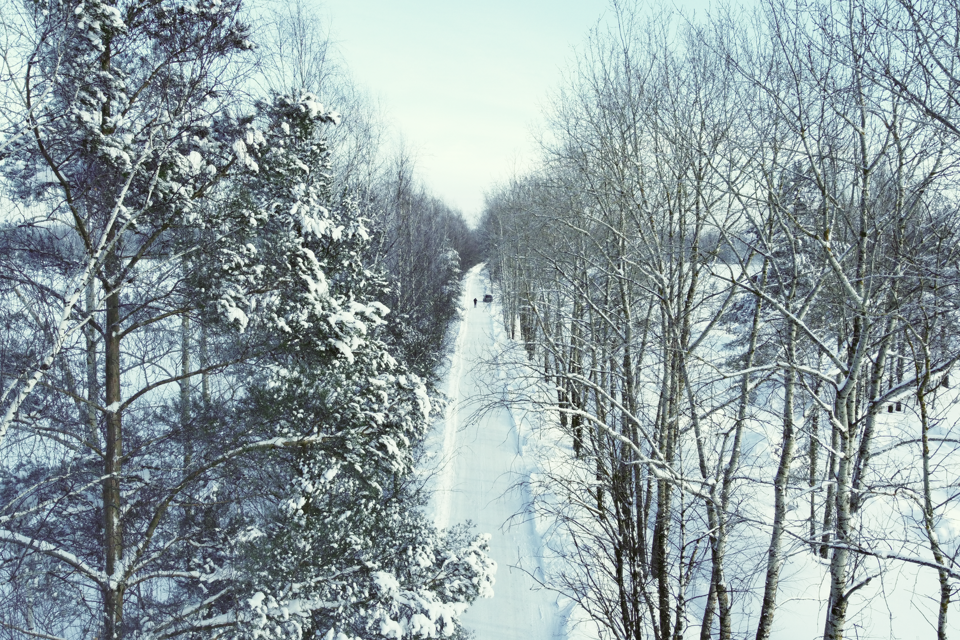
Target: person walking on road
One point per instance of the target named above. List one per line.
(474, 303)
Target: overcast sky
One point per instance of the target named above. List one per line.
(464, 82)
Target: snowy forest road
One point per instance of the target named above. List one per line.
(478, 482)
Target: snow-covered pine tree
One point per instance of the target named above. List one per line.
(170, 276)
(342, 548)
(118, 99)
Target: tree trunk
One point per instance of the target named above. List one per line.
(928, 510)
(113, 440)
(839, 561)
(814, 454)
(775, 551)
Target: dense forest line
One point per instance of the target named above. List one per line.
(735, 274)
(221, 309)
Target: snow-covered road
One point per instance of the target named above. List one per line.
(480, 445)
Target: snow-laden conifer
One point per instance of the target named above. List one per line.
(194, 387)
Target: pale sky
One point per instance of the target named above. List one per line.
(464, 82)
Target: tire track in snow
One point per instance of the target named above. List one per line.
(481, 445)
(451, 423)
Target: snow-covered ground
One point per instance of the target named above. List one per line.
(482, 468)
(494, 440)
